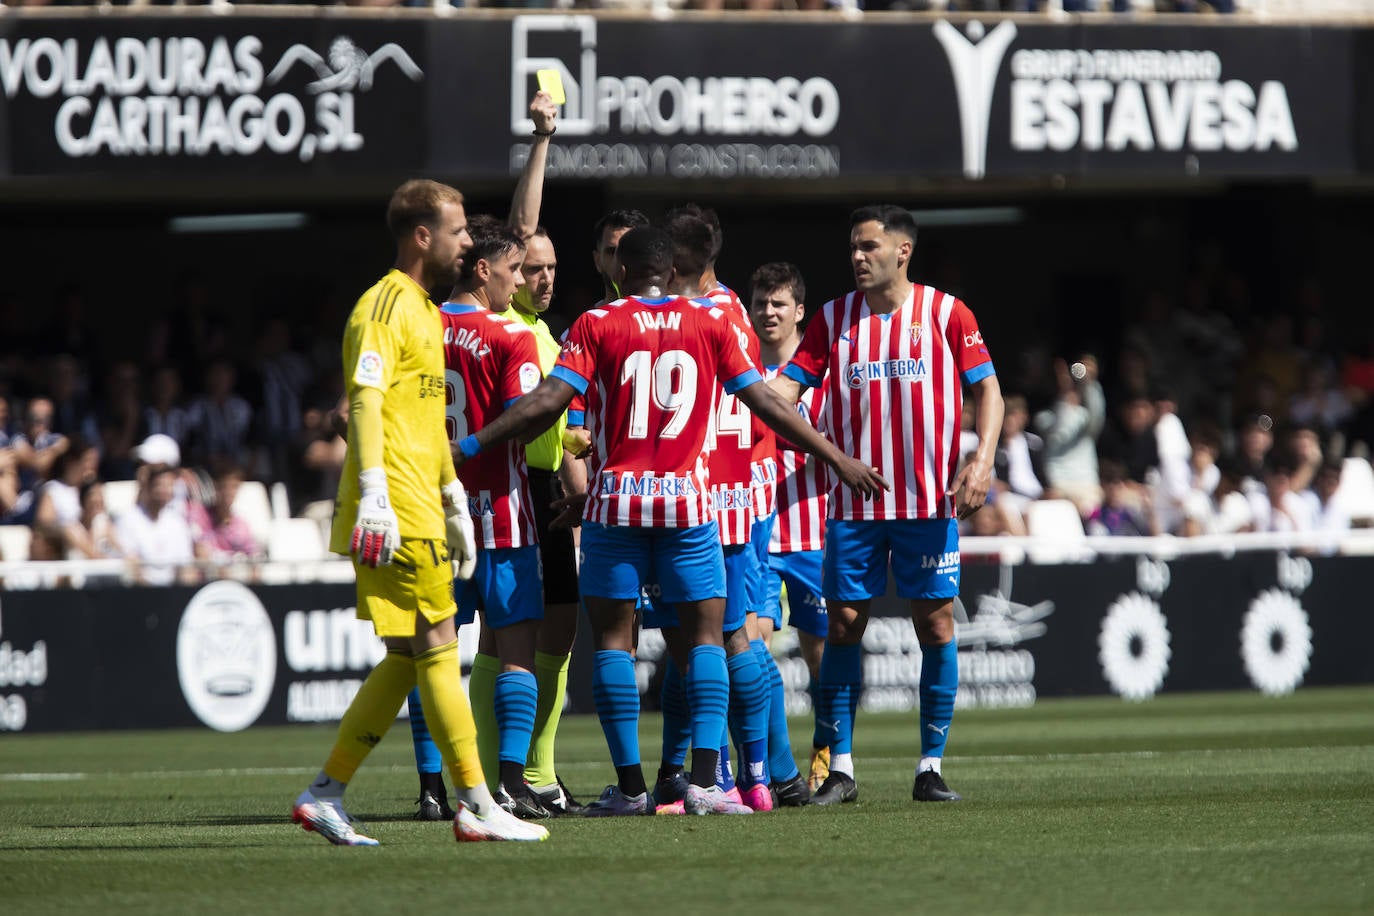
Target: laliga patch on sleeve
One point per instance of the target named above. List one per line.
(370, 370)
(530, 377)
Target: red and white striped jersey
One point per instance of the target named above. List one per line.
(893, 395)
(489, 363)
(801, 485)
(651, 369)
(730, 441)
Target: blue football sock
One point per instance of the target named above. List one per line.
(427, 758)
(725, 777)
(708, 695)
(781, 766)
(517, 698)
(841, 683)
(677, 716)
(939, 684)
(749, 697)
(617, 704)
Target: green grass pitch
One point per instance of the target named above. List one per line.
(1205, 803)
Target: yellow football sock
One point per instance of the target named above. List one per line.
(551, 673)
(370, 714)
(440, 679)
(482, 692)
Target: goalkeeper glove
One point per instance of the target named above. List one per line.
(377, 533)
(462, 540)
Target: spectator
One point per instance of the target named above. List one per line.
(1320, 404)
(164, 414)
(1017, 465)
(154, 534)
(1303, 449)
(1277, 507)
(319, 457)
(1254, 441)
(1273, 370)
(57, 529)
(36, 450)
(1175, 475)
(7, 430)
(1070, 428)
(71, 407)
(1119, 514)
(220, 420)
(285, 375)
(9, 485)
(1328, 515)
(219, 533)
(120, 418)
(97, 522)
(1130, 439)
(1223, 510)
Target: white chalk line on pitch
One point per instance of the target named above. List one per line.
(588, 765)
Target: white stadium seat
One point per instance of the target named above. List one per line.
(295, 540)
(1057, 531)
(14, 543)
(120, 496)
(253, 504)
(1356, 491)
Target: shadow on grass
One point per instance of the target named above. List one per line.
(128, 847)
(237, 820)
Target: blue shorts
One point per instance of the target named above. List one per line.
(923, 553)
(659, 612)
(685, 563)
(801, 573)
(759, 537)
(508, 586)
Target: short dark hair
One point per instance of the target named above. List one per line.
(417, 203)
(646, 251)
(617, 219)
(491, 238)
(778, 275)
(707, 216)
(693, 241)
(891, 217)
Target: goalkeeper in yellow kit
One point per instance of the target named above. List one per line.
(402, 515)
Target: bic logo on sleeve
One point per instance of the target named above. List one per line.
(973, 340)
(370, 369)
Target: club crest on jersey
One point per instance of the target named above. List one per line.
(915, 333)
(906, 370)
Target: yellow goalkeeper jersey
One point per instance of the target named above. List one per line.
(394, 342)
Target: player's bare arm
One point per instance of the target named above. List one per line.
(782, 418)
(529, 190)
(970, 487)
(789, 389)
(537, 410)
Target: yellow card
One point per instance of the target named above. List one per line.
(551, 81)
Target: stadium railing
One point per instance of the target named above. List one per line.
(1011, 551)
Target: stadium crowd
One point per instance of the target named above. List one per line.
(1207, 420)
